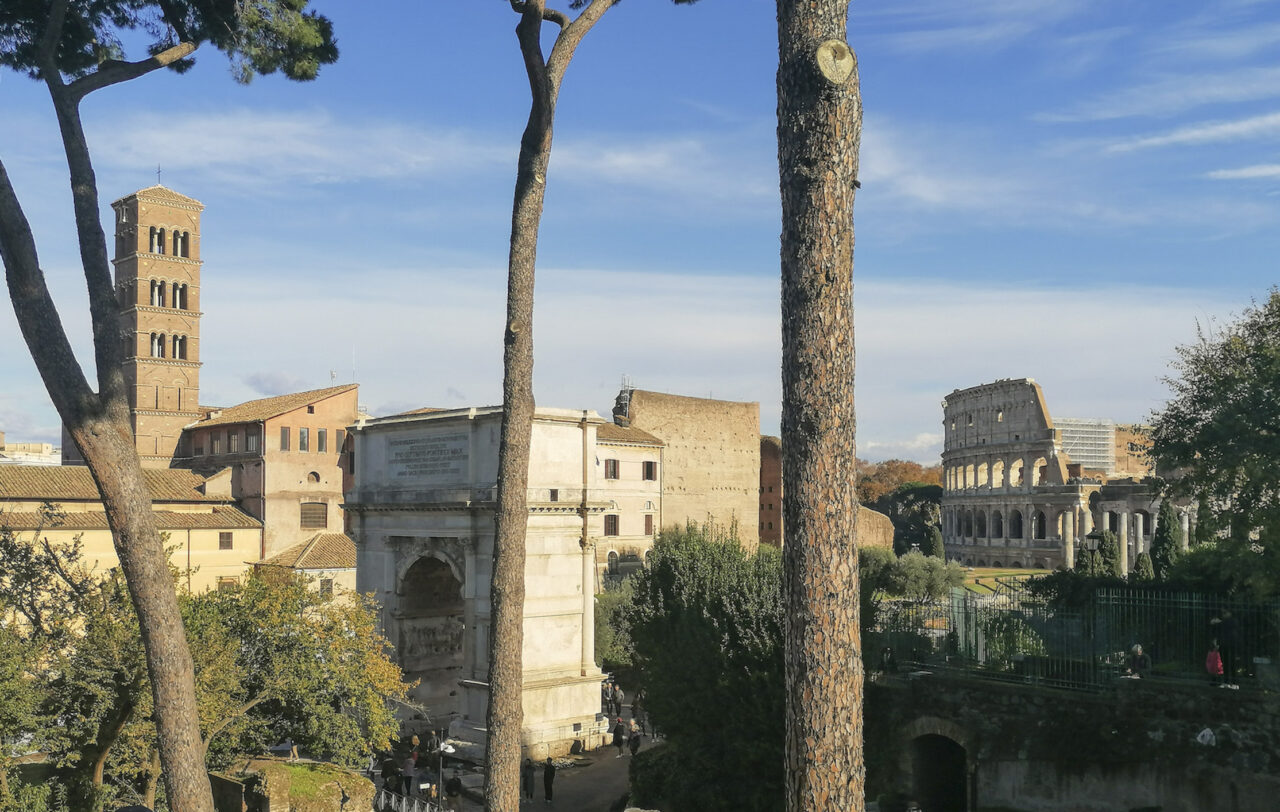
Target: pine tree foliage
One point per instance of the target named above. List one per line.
(1109, 554)
(706, 627)
(1166, 545)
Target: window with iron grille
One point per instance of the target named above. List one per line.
(611, 525)
(251, 440)
(650, 470)
(224, 541)
(233, 442)
(226, 582)
(315, 515)
(610, 469)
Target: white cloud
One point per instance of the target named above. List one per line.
(1205, 133)
(1175, 93)
(255, 148)
(928, 25)
(424, 336)
(1246, 173)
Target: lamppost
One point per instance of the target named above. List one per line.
(1090, 544)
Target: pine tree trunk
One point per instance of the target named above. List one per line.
(505, 715)
(819, 128)
(99, 425)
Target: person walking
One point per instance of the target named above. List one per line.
(619, 699)
(548, 779)
(634, 742)
(619, 736)
(408, 774)
(526, 780)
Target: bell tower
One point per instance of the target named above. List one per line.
(157, 266)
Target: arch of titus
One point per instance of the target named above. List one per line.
(422, 514)
(1012, 496)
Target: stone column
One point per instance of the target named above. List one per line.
(1124, 542)
(1086, 520)
(470, 596)
(1138, 542)
(1029, 527)
(1185, 517)
(1069, 539)
(588, 607)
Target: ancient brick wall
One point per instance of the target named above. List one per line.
(711, 463)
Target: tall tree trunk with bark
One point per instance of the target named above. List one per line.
(505, 715)
(819, 129)
(98, 422)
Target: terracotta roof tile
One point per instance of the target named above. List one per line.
(266, 408)
(612, 432)
(324, 551)
(163, 194)
(73, 483)
(221, 518)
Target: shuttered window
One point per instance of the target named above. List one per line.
(610, 469)
(648, 524)
(650, 470)
(315, 515)
(224, 541)
(611, 525)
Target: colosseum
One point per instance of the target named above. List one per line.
(1022, 491)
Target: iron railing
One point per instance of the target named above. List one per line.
(1011, 635)
(388, 801)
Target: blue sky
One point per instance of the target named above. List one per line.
(1056, 189)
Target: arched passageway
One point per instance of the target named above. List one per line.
(429, 644)
(938, 774)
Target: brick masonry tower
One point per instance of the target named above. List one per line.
(158, 282)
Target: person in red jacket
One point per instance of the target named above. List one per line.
(1213, 664)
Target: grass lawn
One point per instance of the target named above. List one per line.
(975, 576)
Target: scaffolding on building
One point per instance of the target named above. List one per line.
(1089, 441)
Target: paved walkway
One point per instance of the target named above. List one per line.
(592, 787)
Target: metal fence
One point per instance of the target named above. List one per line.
(1010, 635)
(387, 801)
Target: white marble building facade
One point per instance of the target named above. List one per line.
(422, 516)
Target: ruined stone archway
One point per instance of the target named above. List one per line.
(933, 759)
(430, 631)
(1015, 524)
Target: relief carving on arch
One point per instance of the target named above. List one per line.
(449, 549)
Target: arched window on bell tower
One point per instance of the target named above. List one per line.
(179, 296)
(180, 347)
(157, 293)
(157, 345)
(160, 241)
(154, 241)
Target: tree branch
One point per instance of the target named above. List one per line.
(48, 53)
(240, 711)
(529, 35)
(104, 309)
(40, 323)
(571, 35)
(548, 14)
(114, 72)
